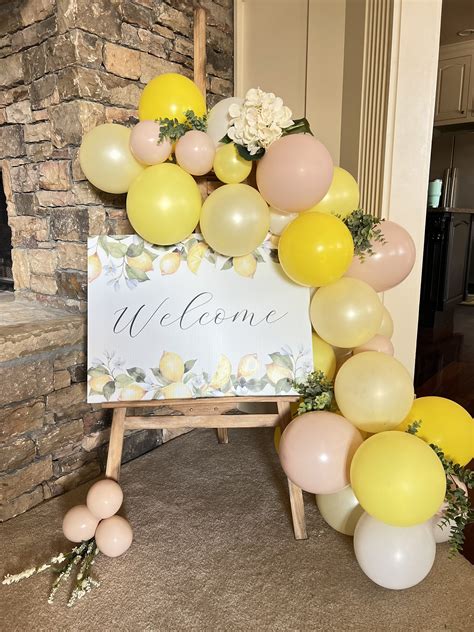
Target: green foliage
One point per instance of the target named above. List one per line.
(365, 229)
(172, 129)
(300, 126)
(458, 509)
(317, 392)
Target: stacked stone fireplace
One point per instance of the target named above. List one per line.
(65, 67)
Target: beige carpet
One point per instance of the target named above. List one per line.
(214, 551)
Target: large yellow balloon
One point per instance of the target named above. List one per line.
(235, 220)
(169, 96)
(106, 159)
(324, 358)
(346, 313)
(229, 166)
(446, 424)
(315, 249)
(386, 326)
(398, 479)
(163, 204)
(342, 197)
(374, 391)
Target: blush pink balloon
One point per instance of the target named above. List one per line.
(379, 343)
(114, 536)
(104, 498)
(391, 262)
(145, 145)
(79, 524)
(295, 173)
(195, 152)
(316, 451)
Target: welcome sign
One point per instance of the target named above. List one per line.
(183, 321)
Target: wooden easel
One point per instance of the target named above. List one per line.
(203, 413)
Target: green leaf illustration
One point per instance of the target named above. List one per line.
(189, 365)
(98, 370)
(137, 374)
(135, 250)
(282, 360)
(123, 380)
(283, 385)
(228, 264)
(117, 250)
(134, 273)
(258, 256)
(103, 243)
(109, 389)
(152, 255)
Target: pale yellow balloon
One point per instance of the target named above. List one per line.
(229, 166)
(106, 159)
(342, 197)
(346, 313)
(235, 220)
(340, 510)
(324, 358)
(374, 391)
(386, 326)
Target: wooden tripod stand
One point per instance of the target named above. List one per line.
(203, 413)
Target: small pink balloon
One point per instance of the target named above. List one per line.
(114, 536)
(316, 451)
(79, 524)
(295, 173)
(195, 152)
(391, 262)
(145, 143)
(379, 343)
(104, 498)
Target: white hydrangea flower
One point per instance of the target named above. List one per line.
(259, 121)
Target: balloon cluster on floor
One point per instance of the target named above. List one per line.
(389, 488)
(97, 519)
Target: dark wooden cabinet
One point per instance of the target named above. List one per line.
(445, 262)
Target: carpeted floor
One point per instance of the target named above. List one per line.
(214, 551)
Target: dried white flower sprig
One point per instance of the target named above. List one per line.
(83, 555)
(259, 121)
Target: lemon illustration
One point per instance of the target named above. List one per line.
(132, 392)
(222, 373)
(248, 365)
(177, 390)
(245, 266)
(169, 264)
(171, 366)
(94, 267)
(98, 382)
(143, 262)
(195, 255)
(275, 373)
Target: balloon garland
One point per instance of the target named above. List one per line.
(388, 488)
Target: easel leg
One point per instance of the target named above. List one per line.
(296, 493)
(222, 435)
(114, 457)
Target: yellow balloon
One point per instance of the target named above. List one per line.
(374, 391)
(346, 313)
(342, 197)
(229, 166)
(276, 439)
(315, 249)
(169, 96)
(386, 326)
(324, 358)
(163, 204)
(235, 220)
(340, 510)
(106, 159)
(398, 479)
(444, 423)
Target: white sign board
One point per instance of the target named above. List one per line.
(183, 321)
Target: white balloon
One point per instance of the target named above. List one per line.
(279, 220)
(394, 557)
(218, 118)
(340, 510)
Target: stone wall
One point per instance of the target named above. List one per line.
(66, 66)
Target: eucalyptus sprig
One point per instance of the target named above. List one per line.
(317, 392)
(458, 510)
(365, 229)
(81, 556)
(172, 129)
